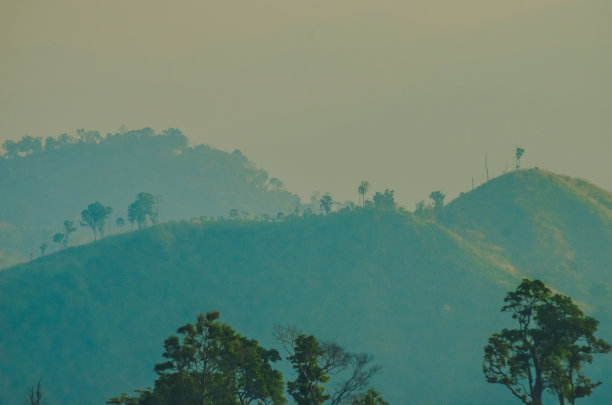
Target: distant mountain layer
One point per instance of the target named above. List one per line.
(421, 296)
(40, 187)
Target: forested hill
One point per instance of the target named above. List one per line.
(44, 183)
(90, 320)
(420, 294)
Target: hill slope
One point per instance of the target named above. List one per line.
(423, 297)
(383, 283)
(40, 188)
(552, 227)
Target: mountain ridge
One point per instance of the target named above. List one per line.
(422, 295)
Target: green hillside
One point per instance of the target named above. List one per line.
(44, 183)
(378, 282)
(552, 227)
(422, 297)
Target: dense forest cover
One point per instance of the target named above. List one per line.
(421, 293)
(43, 183)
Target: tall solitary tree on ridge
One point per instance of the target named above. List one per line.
(519, 154)
(362, 190)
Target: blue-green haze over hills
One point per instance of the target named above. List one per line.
(44, 182)
(422, 293)
(366, 171)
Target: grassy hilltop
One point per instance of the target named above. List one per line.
(552, 227)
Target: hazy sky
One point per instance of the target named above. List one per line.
(408, 94)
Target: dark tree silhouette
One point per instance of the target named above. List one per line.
(94, 217)
(59, 238)
(519, 154)
(11, 149)
(438, 199)
(29, 144)
(326, 203)
(548, 349)
(209, 363)
(141, 209)
(68, 229)
(316, 362)
(384, 201)
(362, 190)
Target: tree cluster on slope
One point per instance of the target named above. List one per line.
(195, 180)
(63, 238)
(141, 209)
(95, 217)
(209, 363)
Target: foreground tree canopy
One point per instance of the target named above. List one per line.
(208, 363)
(548, 349)
(316, 362)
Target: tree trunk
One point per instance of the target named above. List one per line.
(561, 399)
(538, 388)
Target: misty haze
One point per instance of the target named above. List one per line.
(311, 203)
